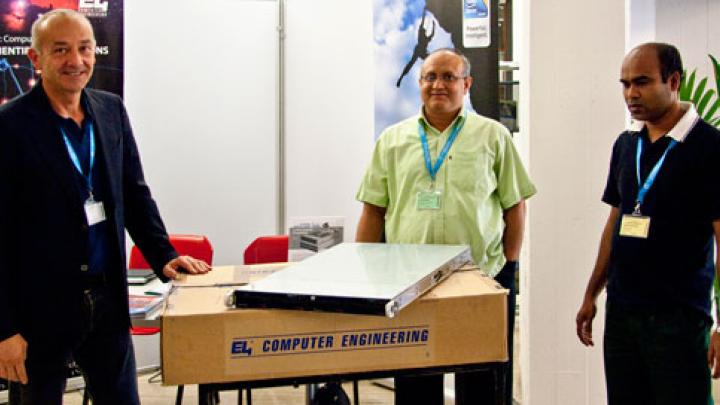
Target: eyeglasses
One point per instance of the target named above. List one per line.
(447, 78)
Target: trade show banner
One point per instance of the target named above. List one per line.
(406, 31)
(16, 18)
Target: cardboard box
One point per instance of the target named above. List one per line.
(461, 321)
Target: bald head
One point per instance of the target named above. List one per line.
(63, 51)
(45, 23)
(450, 51)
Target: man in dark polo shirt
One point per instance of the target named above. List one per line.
(656, 251)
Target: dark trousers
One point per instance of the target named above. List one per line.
(104, 353)
(476, 387)
(656, 357)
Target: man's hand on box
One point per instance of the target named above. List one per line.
(187, 264)
(13, 351)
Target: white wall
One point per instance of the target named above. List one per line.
(692, 26)
(330, 98)
(688, 24)
(572, 112)
(640, 24)
(201, 93)
(200, 90)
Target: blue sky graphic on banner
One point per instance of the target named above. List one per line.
(396, 33)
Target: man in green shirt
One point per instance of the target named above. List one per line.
(449, 176)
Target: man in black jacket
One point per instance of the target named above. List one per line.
(71, 182)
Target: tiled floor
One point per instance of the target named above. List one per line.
(155, 394)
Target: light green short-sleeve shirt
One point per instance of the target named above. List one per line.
(480, 178)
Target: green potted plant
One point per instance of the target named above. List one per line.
(707, 103)
(705, 99)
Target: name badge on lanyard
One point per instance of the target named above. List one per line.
(429, 199)
(432, 199)
(637, 225)
(94, 210)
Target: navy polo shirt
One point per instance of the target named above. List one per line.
(674, 265)
(99, 234)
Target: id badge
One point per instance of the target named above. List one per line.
(429, 199)
(635, 226)
(94, 212)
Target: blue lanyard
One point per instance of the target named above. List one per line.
(443, 153)
(644, 187)
(76, 162)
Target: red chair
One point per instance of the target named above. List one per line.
(197, 246)
(267, 249)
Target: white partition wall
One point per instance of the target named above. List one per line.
(692, 26)
(200, 86)
(639, 22)
(329, 106)
(572, 112)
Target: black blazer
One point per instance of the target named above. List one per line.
(43, 229)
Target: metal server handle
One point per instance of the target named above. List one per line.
(392, 308)
(230, 299)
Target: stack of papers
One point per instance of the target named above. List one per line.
(143, 305)
(140, 276)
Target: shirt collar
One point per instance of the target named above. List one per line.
(84, 103)
(681, 129)
(458, 119)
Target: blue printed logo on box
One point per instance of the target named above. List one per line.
(344, 341)
(241, 348)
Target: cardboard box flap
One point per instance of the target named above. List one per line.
(465, 283)
(197, 301)
(200, 300)
(222, 276)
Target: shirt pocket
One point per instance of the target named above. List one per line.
(472, 172)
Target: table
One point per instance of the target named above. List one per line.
(206, 392)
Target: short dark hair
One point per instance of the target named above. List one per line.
(669, 58)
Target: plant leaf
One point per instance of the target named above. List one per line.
(699, 91)
(716, 71)
(713, 109)
(687, 86)
(704, 102)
